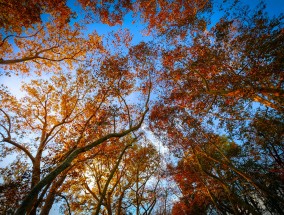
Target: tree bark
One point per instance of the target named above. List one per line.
(103, 195)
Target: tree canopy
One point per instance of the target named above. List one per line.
(187, 120)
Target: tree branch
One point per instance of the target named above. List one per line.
(25, 150)
(68, 160)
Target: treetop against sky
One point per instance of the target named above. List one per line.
(89, 87)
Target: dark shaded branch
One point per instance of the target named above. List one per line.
(66, 200)
(37, 56)
(9, 123)
(21, 37)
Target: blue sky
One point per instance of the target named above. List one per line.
(274, 7)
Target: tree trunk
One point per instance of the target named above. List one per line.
(52, 194)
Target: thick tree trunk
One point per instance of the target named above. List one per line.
(35, 179)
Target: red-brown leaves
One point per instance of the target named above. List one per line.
(17, 16)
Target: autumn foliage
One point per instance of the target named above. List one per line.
(187, 120)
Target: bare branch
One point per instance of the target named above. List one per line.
(9, 123)
(25, 150)
(66, 200)
(21, 37)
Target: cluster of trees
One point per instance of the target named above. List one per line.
(211, 91)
